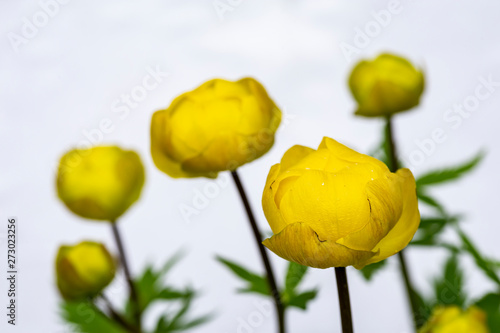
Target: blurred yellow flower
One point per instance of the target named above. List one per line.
(385, 85)
(451, 319)
(334, 207)
(100, 183)
(219, 126)
(83, 270)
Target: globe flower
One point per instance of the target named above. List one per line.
(385, 85)
(452, 319)
(219, 126)
(83, 270)
(100, 183)
(334, 207)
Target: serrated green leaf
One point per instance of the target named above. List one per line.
(257, 284)
(177, 322)
(150, 287)
(300, 300)
(427, 199)
(449, 288)
(483, 263)
(88, 319)
(445, 175)
(294, 276)
(430, 230)
(490, 304)
(369, 271)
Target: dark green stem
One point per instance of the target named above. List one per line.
(118, 317)
(344, 300)
(280, 309)
(134, 297)
(394, 166)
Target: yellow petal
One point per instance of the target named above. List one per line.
(334, 205)
(226, 152)
(161, 156)
(386, 205)
(343, 157)
(451, 319)
(404, 230)
(300, 243)
(294, 155)
(271, 211)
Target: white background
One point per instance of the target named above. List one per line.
(65, 78)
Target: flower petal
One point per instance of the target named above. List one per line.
(294, 155)
(271, 211)
(300, 243)
(404, 230)
(228, 151)
(386, 205)
(345, 157)
(334, 205)
(160, 154)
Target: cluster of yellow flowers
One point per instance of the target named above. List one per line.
(329, 207)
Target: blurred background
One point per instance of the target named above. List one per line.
(75, 73)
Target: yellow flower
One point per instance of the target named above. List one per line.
(452, 319)
(83, 270)
(219, 126)
(385, 85)
(334, 207)
(100, 183)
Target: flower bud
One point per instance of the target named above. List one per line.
(385, 85)
(83, 270)
(100, 183)
(334, 207)
(219, 126)
(451, 319)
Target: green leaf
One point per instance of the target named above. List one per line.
(427, 199)
(294, 276)
(490, 304)
(150, 286)
(481, 262)
(449, 288)
(300, 301)
(369, 271)
(88, 319)
(445, 175)
(430, 228)
(257, 284)
(177, 322)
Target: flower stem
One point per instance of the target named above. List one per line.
(134, 297)
(280, 310)
(118, 317)
(344, 301)
(394, 166)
